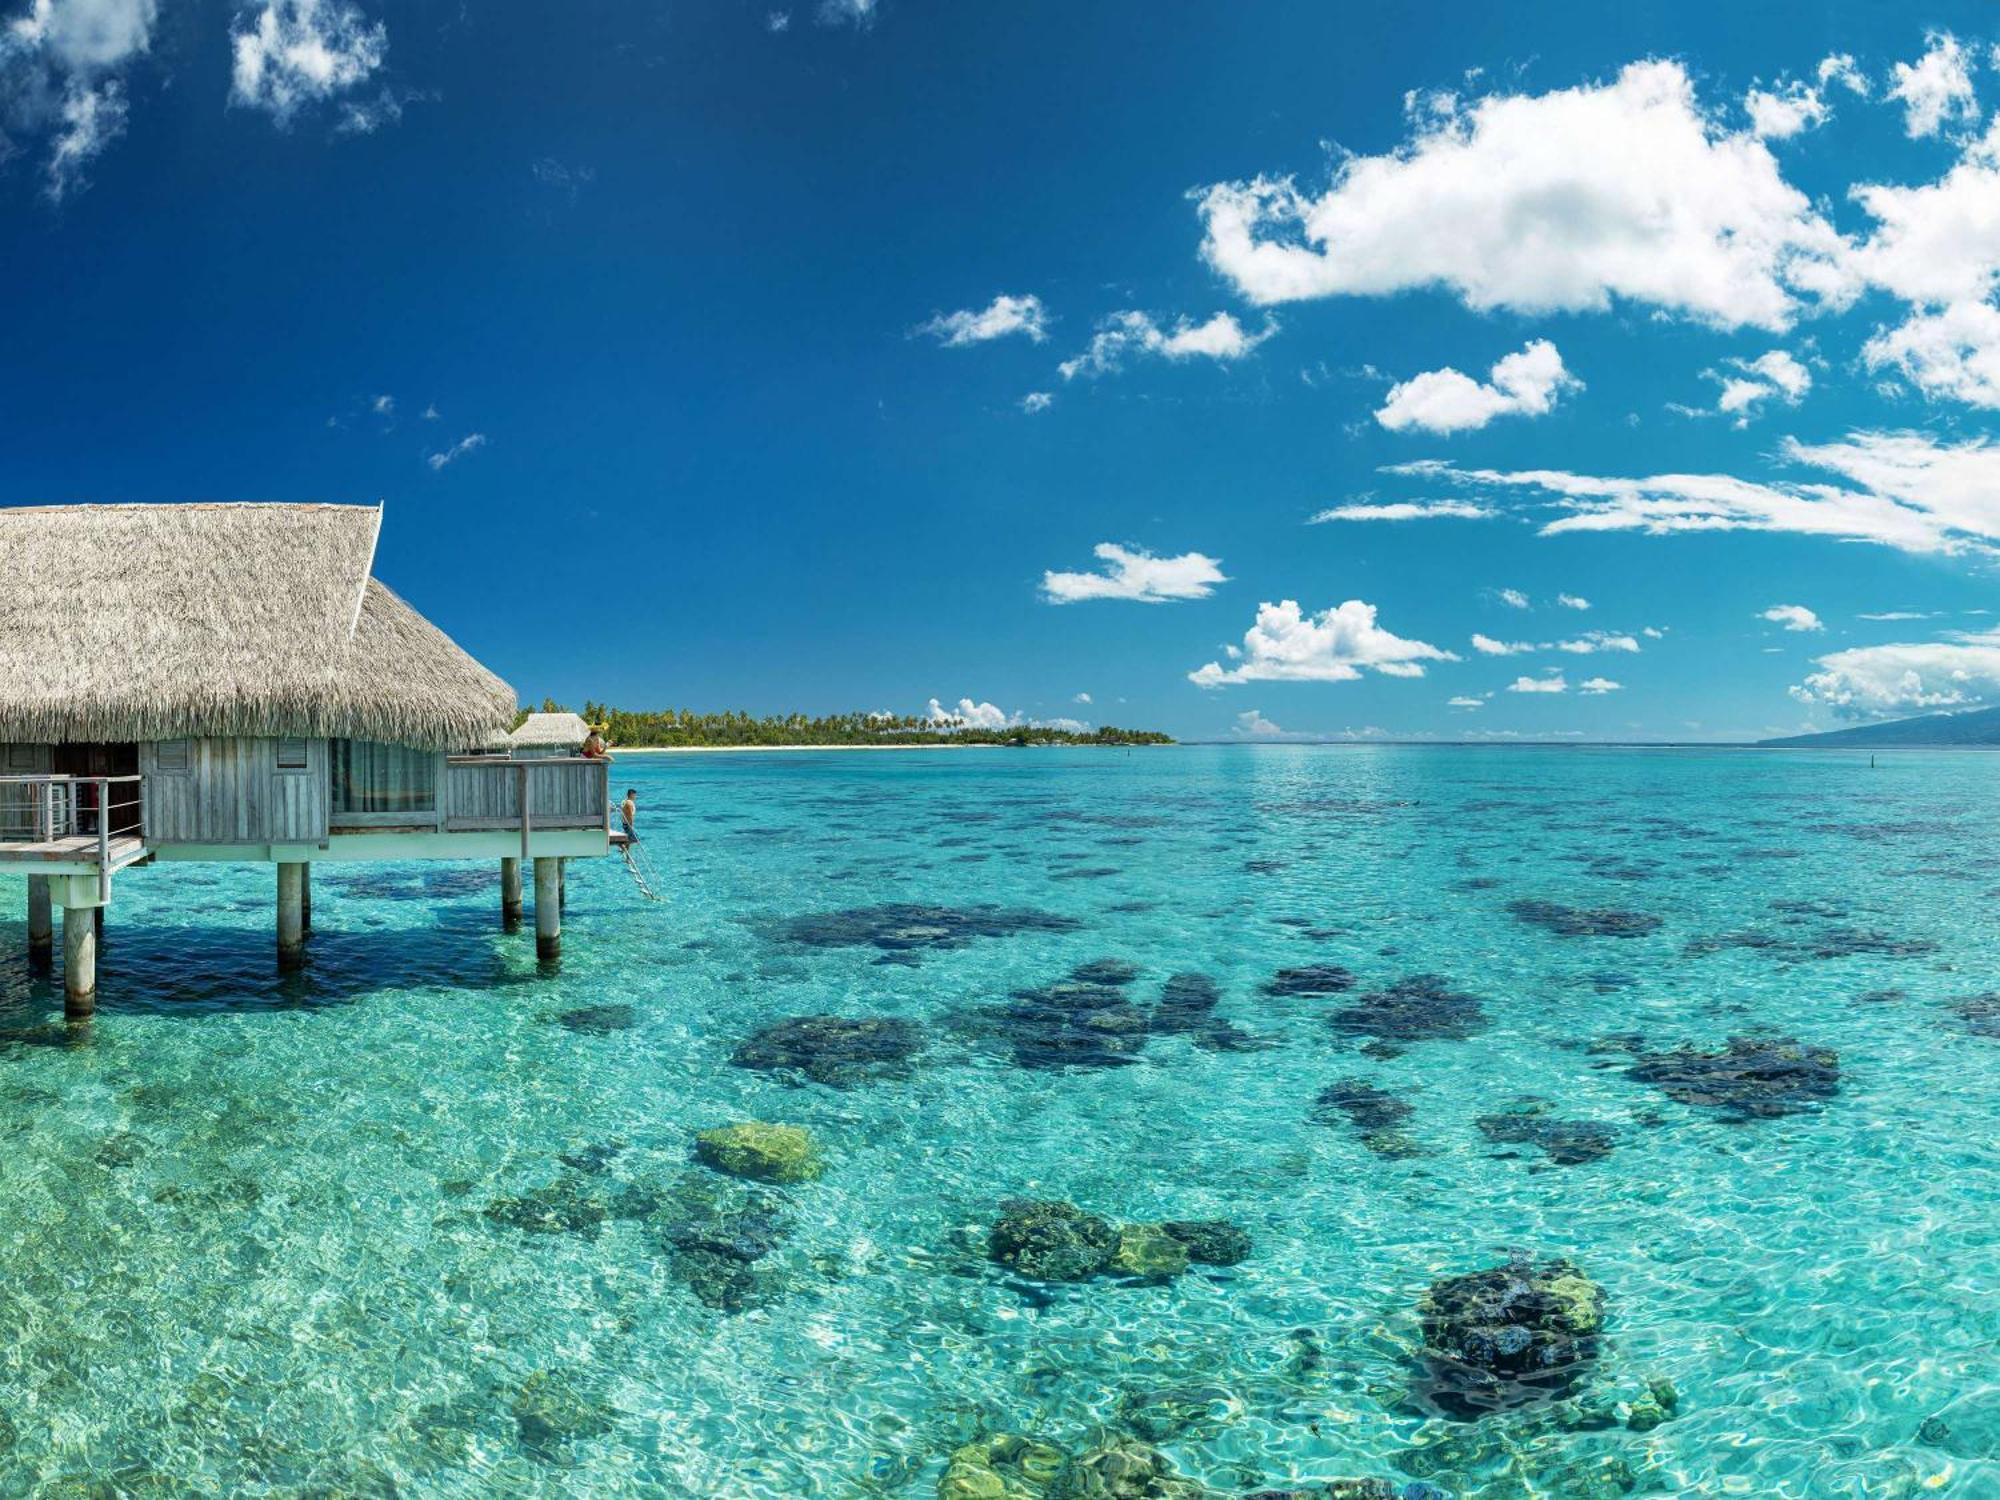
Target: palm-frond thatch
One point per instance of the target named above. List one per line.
(150, 622)
(539, 731)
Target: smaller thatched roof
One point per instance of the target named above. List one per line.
(154, 622)
(564, 731)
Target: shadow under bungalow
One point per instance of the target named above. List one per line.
(230, 682)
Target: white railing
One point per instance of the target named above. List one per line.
(89, 811)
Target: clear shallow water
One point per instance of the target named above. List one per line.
(246, 1245)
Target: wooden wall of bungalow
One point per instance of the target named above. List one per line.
(303, 791)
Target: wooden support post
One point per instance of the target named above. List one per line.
(306, 899)
(41, 924)
(510, 890)
(562, 884)
(80, 961)
(548, 908)
(291, 915)
(98, 922)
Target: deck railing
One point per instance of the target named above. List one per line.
(74, 817)
(498, 792)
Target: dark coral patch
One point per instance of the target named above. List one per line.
(905, 926)
(1752, 1078)
(1578, 921)
(1567, 1143)
(1421, 1007)
(1508, 1336)
(840, 1051)
(1048, 1240)
(1314, 979)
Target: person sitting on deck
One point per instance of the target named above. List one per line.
(594, 747)
(628, 813)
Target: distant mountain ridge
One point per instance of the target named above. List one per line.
(1979, 726)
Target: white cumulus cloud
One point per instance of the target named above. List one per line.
(1526, 384)
(1792, 617)
(1250, 721)
(970, 715)
(1778, 114)
(1127, 333)
(1776, 375)
(1003, 316)
(1906, 677)
(1936, 90)
(1553, 683)
(62, 80)
(1594, 685)
(1036, 401)
(1572, 601)
(289, 54)
(1486, 645)
(1513, 599)
(1133, 573)
(1335, 645)
(1565, 201)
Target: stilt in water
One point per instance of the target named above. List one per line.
(80, 961)
(41, 925)
(291, 915)
(510, 891)
(306, 899)
(548, 908)
(562, 884)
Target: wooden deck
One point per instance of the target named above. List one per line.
(125, 849)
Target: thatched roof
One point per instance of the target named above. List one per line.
(564, 731)
(148, 622)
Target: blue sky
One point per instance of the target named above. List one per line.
(708, 360)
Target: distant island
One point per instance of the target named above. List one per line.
(1970, 730)
(674, 728)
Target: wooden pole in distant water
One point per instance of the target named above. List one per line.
(41, 924)
(510, 890)
(80, 962)
(291, 915)
(548, 908)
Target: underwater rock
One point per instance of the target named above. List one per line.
(1005, 1466)
(1105, 971)
(1752, 1078)
(839, 1051)
(1313, 979)
(1072, 1023)
(1509, 1335)
(1365, 1106)
(1127, 1469)
(1419, 1008)
(1162, 1415)
(1849, 942)
(598, 1020)
(1567, 1143)
(1187, 1008)
(765, 1153)
(1352, 1489)
(1148, 1251)
(1576, 921)
(1980, 1013)
(713, 1250)
(565, 1206)
(904, 926)
(1211, 1242)
(550, 1414)
(1048, 1240)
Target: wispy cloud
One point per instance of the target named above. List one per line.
(1003, 316)
(1133, 573)
(471, 442)
(1792, 617)
(1404, 510)
(290, 54)
(1127, 333)
(62, 79)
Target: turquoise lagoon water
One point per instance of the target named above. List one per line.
(268, 1237)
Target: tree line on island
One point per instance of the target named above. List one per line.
(670, 727)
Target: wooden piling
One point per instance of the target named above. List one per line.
(41, 924)
(291, 914)
(548, 908)
(510, 890)
(306, 899)
(80, 961)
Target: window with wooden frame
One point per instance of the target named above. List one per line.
(170, 755)
(294, 754)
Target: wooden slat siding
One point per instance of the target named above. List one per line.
(485, 793)
(234, 793)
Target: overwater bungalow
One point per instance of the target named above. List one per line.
(231, 682)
